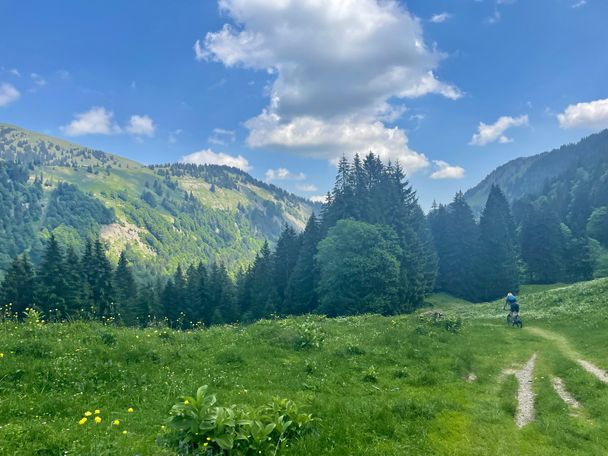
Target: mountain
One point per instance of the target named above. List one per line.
(529, 175)
(164, 215)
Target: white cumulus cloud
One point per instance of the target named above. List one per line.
(8, 94)
(141, 125)
(307, 187)
(209, 157)
(337, 67)
(100, 121)
(97, 120)
(318, 198)
(593, 114)
(487, 134)
(446, 171)
(441, 17)
(283, 174)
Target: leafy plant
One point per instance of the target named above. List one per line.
(371, 375)
(199, 426)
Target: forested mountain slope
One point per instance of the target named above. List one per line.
(528, 175)
(163, 215)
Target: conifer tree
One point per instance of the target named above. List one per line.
(457, 244)
(541, 243)
(52, 286)
(125, 292)
(74, 277)
(18, 285)
(497, 266)
(285, 258)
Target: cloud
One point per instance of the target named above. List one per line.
(173, 135)
(100, 121)
(447, 171)
(8, 94)
(97, 120)
(141, 125)
(487, 134)
(199, 52)
(307, 187)
(593, 114)
(494, 18)
(38, 80)
(283, 174)
(15, 72)
(329, 139)
(441, 17)
(579, 4)
(318, 198)
(221, 137)
(208, 157)
(335, 66)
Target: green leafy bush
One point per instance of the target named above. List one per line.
(200, 427)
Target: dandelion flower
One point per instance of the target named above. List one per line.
(130, 410)
(1, 355)
(97, 412)
(98, 419)
(124, 432)
(186, 402)
(87, 413)
(82, 421)
(116, 422)
(205, 444)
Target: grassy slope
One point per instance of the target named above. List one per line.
(227, 237)
(420, 404)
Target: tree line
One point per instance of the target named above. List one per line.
(371, 249)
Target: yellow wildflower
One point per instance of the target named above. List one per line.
(97, 412)
(82, 421)
(116, 422)
(130, 410)
(1, 355)
(205, 444)
(124, 432)
(87, 413)
(186, 402)
(98, 419)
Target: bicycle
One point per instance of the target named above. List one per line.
(513, 319)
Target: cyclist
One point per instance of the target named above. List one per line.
(511, 301)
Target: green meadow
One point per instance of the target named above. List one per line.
(430, 383)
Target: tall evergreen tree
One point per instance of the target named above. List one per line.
(74, 279)
(52, 286)
(497, 266)
(18, 285)
(456, 236)
(285, 258)
(541, 243)
(125, 292)
(300, 296)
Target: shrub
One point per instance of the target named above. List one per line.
(200, 427)
(450, 322)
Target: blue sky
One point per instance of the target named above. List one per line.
(284, 87)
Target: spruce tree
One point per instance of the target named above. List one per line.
(52, 286)
(18, 285)
(497, 266)
(125, 292)
(285, 258)
(301, 296)
(74, 278)
(541, 243)
(459, 249)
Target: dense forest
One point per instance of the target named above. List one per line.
(371, 249)
(163, 215)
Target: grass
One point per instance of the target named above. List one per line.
(380, 385)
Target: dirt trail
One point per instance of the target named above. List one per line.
(565, 347)
(601, 375)
(525, 394)
(560, 389)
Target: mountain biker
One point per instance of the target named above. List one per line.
(511, 301)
